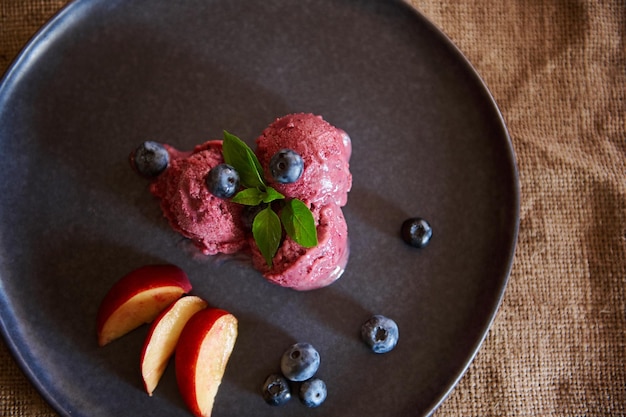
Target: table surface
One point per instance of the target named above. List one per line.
(557, 70)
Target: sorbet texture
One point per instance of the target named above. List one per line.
(212, 224)
(217, 225)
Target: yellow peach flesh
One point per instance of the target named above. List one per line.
(163, 338)
(139, 309)
(214, 353)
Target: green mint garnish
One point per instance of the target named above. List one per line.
(272, 195)
(249, 197)
(267, 233)
(295, 216)
(299, 223)
(255, 196)
(240, 156)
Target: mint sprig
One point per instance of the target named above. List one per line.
(267, 233)
(240, 156)
(256, 196)
(299, 223)
(295, 217)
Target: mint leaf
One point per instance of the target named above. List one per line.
(267, 227)
(255, 196)
(271, 195)
(267, 233)
(299, 224)
(240, 156)
(249, 197)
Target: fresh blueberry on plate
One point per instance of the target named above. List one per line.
(380, 334)
(276, 390)
(312, 392)
(300, 362)
(416, 232)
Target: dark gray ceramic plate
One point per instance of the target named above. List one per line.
(428, 141)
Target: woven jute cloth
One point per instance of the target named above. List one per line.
(557, 69)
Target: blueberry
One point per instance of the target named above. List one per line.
(286, 166)
(276, 390)
(312, 392)
(150, 159)
(380, 333)
(222, 181)
(249, 213)
(416, 232)
(300, 362)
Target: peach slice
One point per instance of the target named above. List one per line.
(202, 353)
(138, 298)
(163, 337)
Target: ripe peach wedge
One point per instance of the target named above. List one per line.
(202, 353)
(163, 337)
(138, 298)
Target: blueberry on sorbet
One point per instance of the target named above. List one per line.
(150, 159)
(248, 214)
(286, 166)
(222, 181)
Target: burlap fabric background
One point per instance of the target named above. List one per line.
(557, 69)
